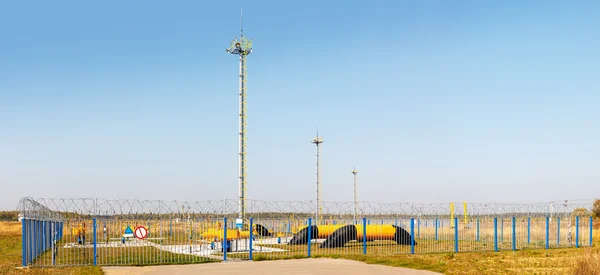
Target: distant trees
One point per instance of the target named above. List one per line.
(596, 208)
(580, 212)
(9, 215)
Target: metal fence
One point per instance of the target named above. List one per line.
(67, 232)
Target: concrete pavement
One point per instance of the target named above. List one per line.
(288, 267)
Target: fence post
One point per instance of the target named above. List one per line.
(40, 237)
(591, 230)
(95, 251)
(477, 237)
(514, 233)
(456, 235)
(171, 228)
(419, 228)
(496, 234)
(24, 241)
(43, 240)
(309, 234)
(46, 234)
(251, 237)
(502, 230)
(577, 232)
(412, 235)
(30, 240)
(528, 230)
(547, 232)
(224, 245)
(34, 243)
(557, 231)
(54, 240)
(365, 236)
(436, 229)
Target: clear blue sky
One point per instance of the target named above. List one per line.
(433, 101)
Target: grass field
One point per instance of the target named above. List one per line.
(554, 261)
(10, 255)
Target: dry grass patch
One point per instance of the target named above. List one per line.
(588, 264)
(10, 228)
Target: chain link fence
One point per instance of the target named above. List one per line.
(86, 231)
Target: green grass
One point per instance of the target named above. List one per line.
(10, 255)
(123, 256)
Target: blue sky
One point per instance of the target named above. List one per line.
(432, 101)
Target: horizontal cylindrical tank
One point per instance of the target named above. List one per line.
(374, 231)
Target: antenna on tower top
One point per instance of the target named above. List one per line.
(241, 22)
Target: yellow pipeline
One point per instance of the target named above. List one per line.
(231, 234)
(244, 234)
(324, 230)
(218, 234)
(374, 231)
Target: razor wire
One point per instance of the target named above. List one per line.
(58, 208)
(31, 209)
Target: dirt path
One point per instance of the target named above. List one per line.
(291, 267)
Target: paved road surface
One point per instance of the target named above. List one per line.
(291, 267)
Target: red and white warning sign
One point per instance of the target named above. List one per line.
(141, 232)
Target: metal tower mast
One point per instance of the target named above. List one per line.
(242, 46)
(355, 173)
(318, 142)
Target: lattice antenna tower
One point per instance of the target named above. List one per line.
(242, 46)
(355, 173)
(317, 141)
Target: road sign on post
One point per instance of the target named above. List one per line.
(128, 233)
(141, 232)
